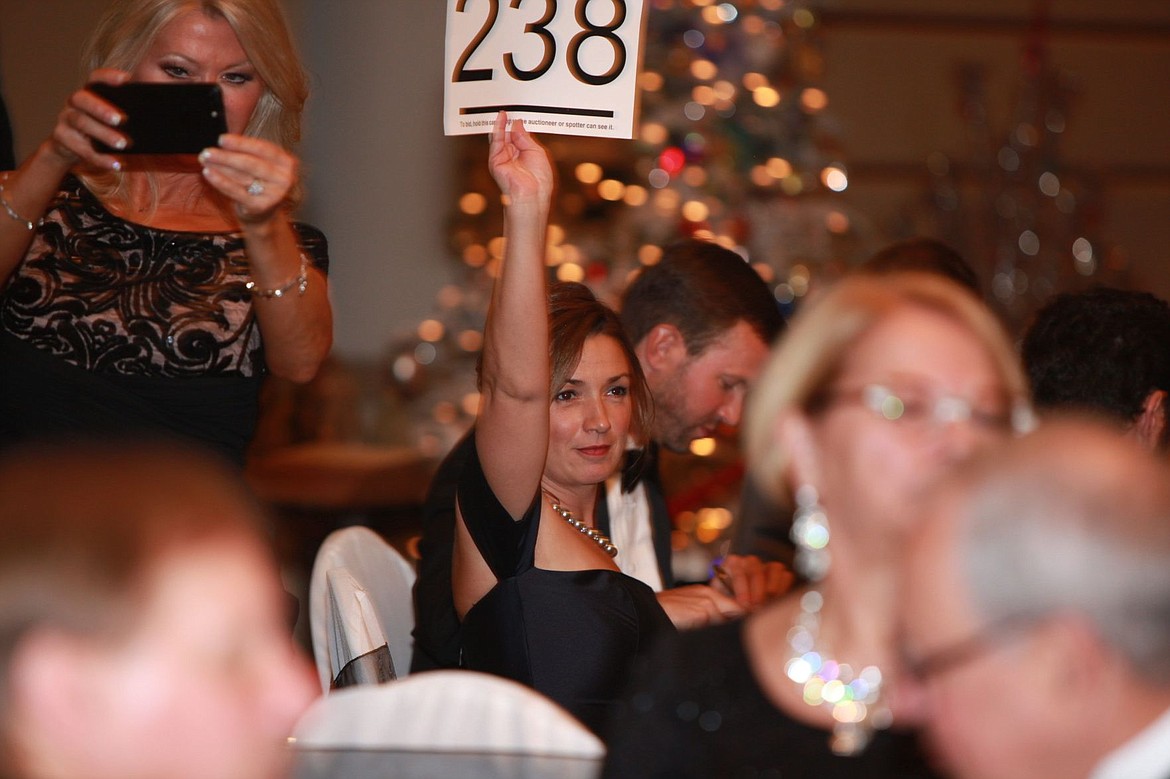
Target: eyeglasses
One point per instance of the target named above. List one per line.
(966, 650)
(922, 411)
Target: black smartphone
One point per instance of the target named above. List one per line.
(165, 118)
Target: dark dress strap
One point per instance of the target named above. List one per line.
(508, 545)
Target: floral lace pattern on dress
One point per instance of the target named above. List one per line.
(113, 296)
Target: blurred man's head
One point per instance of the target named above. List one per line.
(1037, 605)
(142, 629)
(1105, 351)
(702, 321)
(926, 255)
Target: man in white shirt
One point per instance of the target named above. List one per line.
(702, 323)
(1037, 611)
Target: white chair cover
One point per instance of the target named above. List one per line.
(359, 599)
(446, 711)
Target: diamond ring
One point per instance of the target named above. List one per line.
(255, 188)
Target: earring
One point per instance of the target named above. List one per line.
(810, 533)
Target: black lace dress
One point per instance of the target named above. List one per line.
(108, 326)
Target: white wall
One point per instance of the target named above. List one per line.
(378, 164)
(40, 45)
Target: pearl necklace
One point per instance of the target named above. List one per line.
(606, 545)
(854, 700)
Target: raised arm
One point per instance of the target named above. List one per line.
(512, 425)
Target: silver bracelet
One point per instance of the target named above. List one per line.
(301, 282)
(31, 225)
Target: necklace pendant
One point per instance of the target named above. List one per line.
(849, 739)
(853, 699)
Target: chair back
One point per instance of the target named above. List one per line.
(360, 610)
(446, 722)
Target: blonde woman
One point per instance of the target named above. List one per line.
(155, 291)
(876, 390)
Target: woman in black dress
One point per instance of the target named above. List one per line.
(874, 391)
(536, 588)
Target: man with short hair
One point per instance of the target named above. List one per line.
(1106, 351)
(923, 255)
(1036, 627)
(702, 322)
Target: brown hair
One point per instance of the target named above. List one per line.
(923, 254)
(85, 525)
(702, 289)
(575, 315)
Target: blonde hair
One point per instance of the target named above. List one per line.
(129, 27)
(817, 342)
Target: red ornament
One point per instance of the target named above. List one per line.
(596, 273)
(672, 160)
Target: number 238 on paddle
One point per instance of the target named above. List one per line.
(564, 66)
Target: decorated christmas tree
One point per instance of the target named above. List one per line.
(1006, 198)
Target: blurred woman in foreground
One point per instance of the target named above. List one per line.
(877, 388)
